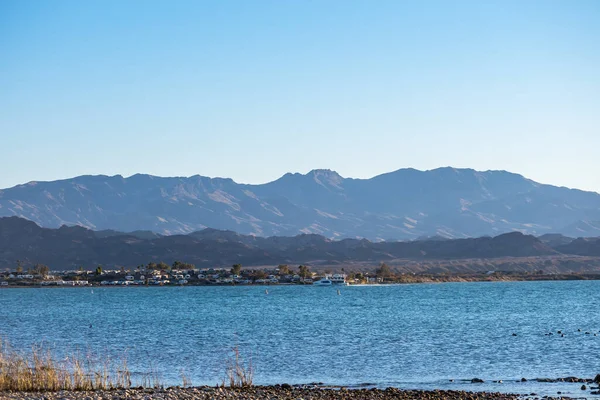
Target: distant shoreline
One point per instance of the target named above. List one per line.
(413, 280)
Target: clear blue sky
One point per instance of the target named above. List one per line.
(253, 89)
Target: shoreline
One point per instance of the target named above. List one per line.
(430, 279)
(282, 392)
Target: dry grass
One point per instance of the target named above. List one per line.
(185, 379)
(239, 374)
(41, 371)
(151, 379)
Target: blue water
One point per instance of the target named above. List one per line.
(411, 336)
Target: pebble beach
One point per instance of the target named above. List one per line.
(281, 392)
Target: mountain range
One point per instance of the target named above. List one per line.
(405, 204)
(71, 247)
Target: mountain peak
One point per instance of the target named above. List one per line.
(324, 171)
(326, 177)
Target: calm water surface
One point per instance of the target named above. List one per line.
(412, 336)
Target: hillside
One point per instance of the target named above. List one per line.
(71, 247)
(405, 204)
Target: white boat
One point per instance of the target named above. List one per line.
(323, 282)
(339, 279)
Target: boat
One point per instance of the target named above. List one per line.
(323, 282)
(339, 279)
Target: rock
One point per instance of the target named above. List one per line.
(523, 380)
(583, 387)
(477, 380)
(597, 378)
(286, 386)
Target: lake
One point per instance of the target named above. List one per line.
(410, 336)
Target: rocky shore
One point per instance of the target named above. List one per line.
(280, 392)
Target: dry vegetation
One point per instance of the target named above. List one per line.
(239, 373)
(40, 370)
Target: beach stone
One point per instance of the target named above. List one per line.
(571, 379)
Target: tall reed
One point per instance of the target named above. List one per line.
(239, 373)
(39, 370)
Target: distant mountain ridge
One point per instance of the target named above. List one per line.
(71, 247)
(404, 204)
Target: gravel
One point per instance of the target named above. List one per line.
(280, 392)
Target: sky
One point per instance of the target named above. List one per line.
(253, 89)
